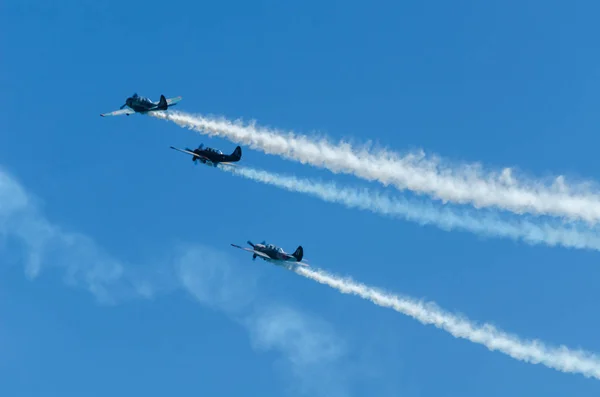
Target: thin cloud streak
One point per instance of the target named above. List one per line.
(314, 360)
(314, 353)
(45, 245)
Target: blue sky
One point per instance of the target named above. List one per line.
(504, 83)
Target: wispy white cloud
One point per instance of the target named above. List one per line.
(309, 340)
(312, 353)
(315, 354)
(45, 245)
(461, 184)
(208, 275)
(303, 342)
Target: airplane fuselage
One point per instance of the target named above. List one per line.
(210, 158)
(273, 253)
(213, 157)
(141, 105)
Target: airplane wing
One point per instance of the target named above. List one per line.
(226, 163)
(190, 153)
(173, 101)
(185, 151)
(253, 251)
(118, 112)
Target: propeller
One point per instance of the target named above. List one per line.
(129, 100)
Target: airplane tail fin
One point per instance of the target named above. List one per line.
(299, 253)
(162, 104)
(237, 154)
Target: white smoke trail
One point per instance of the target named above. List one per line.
(466, 184)
(534, 352)
(422, 213)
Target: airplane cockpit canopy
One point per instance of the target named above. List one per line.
(274, 248)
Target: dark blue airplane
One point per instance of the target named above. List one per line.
(140, 104)
(274, 254)
(210, 156)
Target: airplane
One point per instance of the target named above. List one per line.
(210, 156)
(274, 254)
(142, 105)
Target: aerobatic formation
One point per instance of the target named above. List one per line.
(416, 175)
(212, 157)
